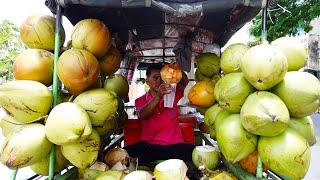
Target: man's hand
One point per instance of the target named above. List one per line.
(163, 89)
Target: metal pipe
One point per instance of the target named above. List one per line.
(55, 84)
(264, 23)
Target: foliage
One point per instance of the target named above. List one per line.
(10, 47)
(287, 18)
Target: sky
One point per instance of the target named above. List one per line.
(18, 10)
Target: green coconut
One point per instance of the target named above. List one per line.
(264, 66)
(207, 156)
(25, 146)
(288, 154)
(295, 53)
(83, 153)
(67, 123)
(231, 91)
(208, 64)
(300, 91)
(304, 126)
(118, 84)
(200, 77)
(234, 141)
(263, 113)
(211, 114)
(220, 118)
(231, 57)
(109, 126)
(100, 104)
(111, 174)
(42, 167)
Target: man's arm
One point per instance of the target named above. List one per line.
(148, 109)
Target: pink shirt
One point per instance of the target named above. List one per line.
(163, 126)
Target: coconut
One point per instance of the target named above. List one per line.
(264, 114)
(200, 77)
(111, 174)
(109, 126)
(78, 70)
(138, 175)
(116, 155)
(34, 64)
(42, 167)
(208, 64)
(202, 110)
(222, 175)
(172, 169)
(202, 94)
(110, 62)
(72, 121)
(264, 66)
(100, 104)
(288, 154)
(304, 126)
(300, 91)
(25, 146)
(211, 114)
(220, 118)
(93, 172)
(25, 100)
(171, 73)
(231, 57)
(295, 53)
(118, 84)
(38, 31)
(83, 153)
(207, 156)
(231, 91)
(250, 163)
(8, 124)
(91, 35)
(236, 144)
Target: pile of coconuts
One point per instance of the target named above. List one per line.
(262, 107)
(88, 110)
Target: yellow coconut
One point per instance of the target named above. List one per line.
(25, 146)
(83, 153)
(92, 35)
(38, 31)
(25, 100)
(72, 122)
(34, 64)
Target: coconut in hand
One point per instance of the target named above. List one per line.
(171, 74)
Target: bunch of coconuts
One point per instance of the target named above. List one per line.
(87, 111)
(262, 105)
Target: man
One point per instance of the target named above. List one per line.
(161, 137)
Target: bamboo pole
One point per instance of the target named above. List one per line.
(55, 85)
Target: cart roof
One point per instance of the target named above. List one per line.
(153, 27)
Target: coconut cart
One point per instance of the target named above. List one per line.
(158, 31)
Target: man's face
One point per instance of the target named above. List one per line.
(154, 80)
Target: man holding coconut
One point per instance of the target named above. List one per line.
(161, 137)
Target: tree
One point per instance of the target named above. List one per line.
(10, 47)
(287, 17)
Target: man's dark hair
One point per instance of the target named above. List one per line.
(151, 67)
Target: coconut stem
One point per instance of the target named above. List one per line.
(14, 174)
(55, 84)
